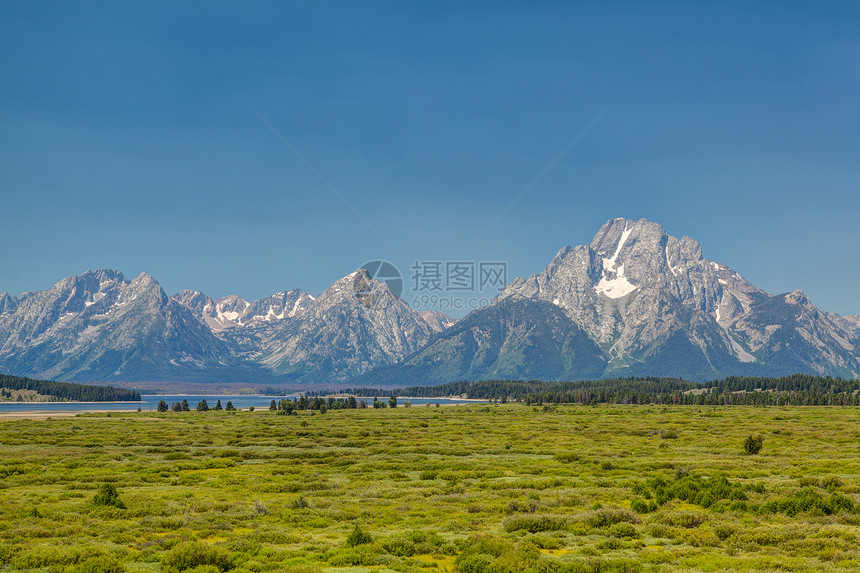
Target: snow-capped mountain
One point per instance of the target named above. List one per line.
(233, 311)
(653, 305)
(339, 334)
(99, 326)
(102, 326)
(635, 301)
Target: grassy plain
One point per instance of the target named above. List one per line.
(479, 489)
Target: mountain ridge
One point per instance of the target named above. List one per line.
(634, 301)
(655, 306)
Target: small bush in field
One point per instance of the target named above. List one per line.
(99, 565)
(193, 554)
(108, 495)
(400, 547)
(358, 537)
(474, 563)
(604, 517)
(642, 506)
(622, 529)
(753, 444)
(535, 523)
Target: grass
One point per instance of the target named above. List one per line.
(475, 489)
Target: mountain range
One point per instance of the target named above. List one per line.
(635, 301)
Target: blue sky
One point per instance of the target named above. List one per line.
(129, 138)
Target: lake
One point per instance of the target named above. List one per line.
(150, 402)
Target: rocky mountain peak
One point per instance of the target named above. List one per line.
(635, 289)
(7, 303)
(797, 297)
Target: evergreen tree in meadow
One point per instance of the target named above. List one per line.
(162, 406)
(108, 495)
(218, 406)
(202, 406)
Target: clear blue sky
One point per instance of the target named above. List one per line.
(128, 137)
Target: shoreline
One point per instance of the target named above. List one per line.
(48, 414)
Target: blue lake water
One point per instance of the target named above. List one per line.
(150, 402)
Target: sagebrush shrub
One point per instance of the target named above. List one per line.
(192, 554)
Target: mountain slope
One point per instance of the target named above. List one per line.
(338, 335)
(653, 305)
(101, 326)
(516, 338)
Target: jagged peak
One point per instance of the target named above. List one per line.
(797, 296)
(7, 302)
(231, 299)
(609, 235)
(100, 276)
(144, 282)
(144, 278)
(188, 293)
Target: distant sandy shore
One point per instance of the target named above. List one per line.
(45, 414)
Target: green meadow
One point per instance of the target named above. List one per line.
(475, 489)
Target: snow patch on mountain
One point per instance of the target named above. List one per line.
(619, 286)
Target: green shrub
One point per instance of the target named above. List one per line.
(188, 555)
(7, 552)
(98, 565)
(535, 523)
(642, 506)
(604, 517)
(399, 547)
(696, 489)
(108, 495)
(483, 544)
(832, 482)
(685, 519)
(479, 563)
(363, 555)
(358, 537)
(753, 444)
(622, 529)
(610, 544)
(810, 500)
